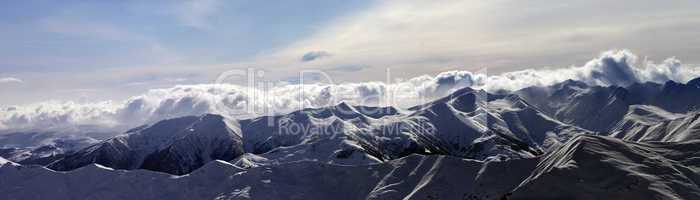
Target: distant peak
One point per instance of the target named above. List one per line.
(345, 111)
(344, 106)
(572, 83)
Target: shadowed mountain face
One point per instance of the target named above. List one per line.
(602, 142)
(601, 108)
(464, 124)
(590, 167)
(412, 177)
(175, 146)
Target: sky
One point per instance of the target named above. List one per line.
(97, 52)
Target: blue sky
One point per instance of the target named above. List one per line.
(111, 50)
(75, 35)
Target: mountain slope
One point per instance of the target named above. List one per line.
(468, 123)
(536, 143)
(4, 161)
(518, 120)
(594, 167)
(669, 128)
(330, 134)
(600, 108)
(41, 147)
(473, 124)
(413, 177)
(175, 146)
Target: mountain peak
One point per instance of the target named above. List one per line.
(175, 146)
(344, 106)
(456, 94)
(571, 82)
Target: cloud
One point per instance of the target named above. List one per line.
(10, 80)
(616, 67)
(236, 101)
(313, 55)
(231, 100)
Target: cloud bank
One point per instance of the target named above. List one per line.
(226, 99)
(615, 67)
(236, 101)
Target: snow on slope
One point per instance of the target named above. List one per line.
(176, 146)
(670, 127)
(465, 124)
(330, 135)
(591, 107)
(440, 177)
(34, 139)
(348, 152)
(443, 177)
(638, 119)
(595, 167)
(249, 160)
(516, 119)
(4, 161)
(180, 145)
(473, 124)
(40, 147)
(601, 108)
(586, 167)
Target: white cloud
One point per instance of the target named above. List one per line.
(230, 100)
(10, 80)
(611, 67)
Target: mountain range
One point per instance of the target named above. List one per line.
(564, 141)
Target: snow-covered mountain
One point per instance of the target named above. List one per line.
(333, 134)
(569, 140)
(176, 146)
(586, 167)
(468, 123)
(600, 108)
(590, 167)
(412, 177)
(650, 124)
(471, 124)
(41, 147)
